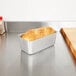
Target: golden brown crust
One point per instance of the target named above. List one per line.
(34, 34)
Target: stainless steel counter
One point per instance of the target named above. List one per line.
(53, 61)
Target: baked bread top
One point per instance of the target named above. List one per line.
(37, 33)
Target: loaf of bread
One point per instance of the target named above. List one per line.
(37, 33)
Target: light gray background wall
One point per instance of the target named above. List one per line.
(38, 10)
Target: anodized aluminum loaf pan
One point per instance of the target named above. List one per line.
(37, 45)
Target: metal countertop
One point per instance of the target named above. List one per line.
(53, 61)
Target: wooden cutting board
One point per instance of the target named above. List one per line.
(69, 35)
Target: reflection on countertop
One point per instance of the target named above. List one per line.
(40, 64)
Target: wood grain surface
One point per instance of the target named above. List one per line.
(69, 34)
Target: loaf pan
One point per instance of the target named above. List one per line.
(37, 45)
